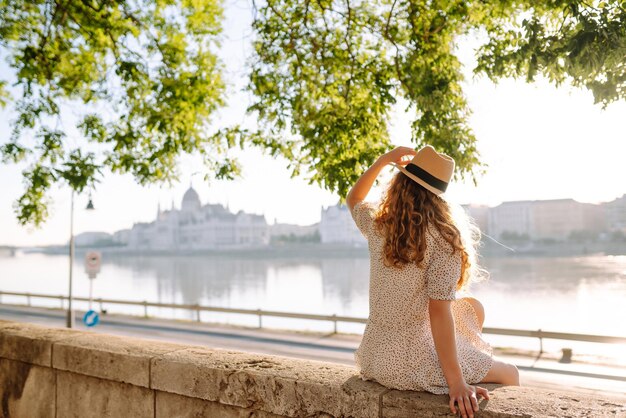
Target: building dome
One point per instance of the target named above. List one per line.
(191, 200)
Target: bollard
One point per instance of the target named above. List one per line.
(198, 313)
(335, 322)
(28, 299)
(567, 355)
(62, 299)
(260, 318)
(145, 309)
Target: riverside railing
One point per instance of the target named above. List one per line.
(540, 334)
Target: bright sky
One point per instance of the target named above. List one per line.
(539, 141)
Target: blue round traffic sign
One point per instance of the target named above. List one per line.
(91, 318)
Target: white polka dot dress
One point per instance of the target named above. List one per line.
(397, 349)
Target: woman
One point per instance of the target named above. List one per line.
(419, 336)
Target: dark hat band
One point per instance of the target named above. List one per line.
(427, 177)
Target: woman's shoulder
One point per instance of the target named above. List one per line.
(365, 205)
(363, 213)
(434, 238)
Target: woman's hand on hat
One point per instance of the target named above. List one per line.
(363, 185)
(397, 155)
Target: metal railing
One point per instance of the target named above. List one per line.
(540, 334)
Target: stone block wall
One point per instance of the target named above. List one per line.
(55, 372)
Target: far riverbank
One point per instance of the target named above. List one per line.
(318, 250)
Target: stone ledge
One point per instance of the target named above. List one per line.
(30, 343)
(153, 376)
(508, 402)
(170, 405)
(275, 384)
(120, 359)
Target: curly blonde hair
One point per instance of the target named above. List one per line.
(404, 214)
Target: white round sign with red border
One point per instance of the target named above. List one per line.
(93, 259)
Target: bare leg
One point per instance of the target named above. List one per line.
(503, 373)
(500, 372)
(479, 309)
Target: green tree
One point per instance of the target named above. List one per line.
(324, 74)
(329, 71)
(144, 74)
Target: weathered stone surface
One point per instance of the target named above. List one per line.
(169, 405)
(189, 381)
(26, 390)
(86, 397)
(120, 359)
(280, 385)
(507, 402)
(30, 343)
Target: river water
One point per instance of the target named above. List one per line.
(567, 294)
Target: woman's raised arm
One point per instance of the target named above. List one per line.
(361, 188)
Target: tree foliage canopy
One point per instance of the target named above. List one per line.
(331, 70)
(324, 76)
(151, 65)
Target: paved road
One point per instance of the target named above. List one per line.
(336, 348)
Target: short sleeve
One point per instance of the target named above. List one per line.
(363, 215)
(443, 271)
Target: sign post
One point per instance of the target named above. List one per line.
(93, 261)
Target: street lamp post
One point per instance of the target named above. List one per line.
(70, 312)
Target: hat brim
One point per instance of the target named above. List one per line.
(418, 180)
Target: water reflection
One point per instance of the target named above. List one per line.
(192, 280)
(337, 285)
(575, 294)
(348, 281)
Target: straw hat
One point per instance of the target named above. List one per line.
(430, 169)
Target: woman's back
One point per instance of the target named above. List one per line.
(397, 349)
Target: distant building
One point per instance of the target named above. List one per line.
(285, 230)
(6, 251)
(480, 215)
(512, 218)
(616, 214)
(594, 218)
(337, 226)
(554, 219)
(121, 237)
(87, 239)
(198, 227)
